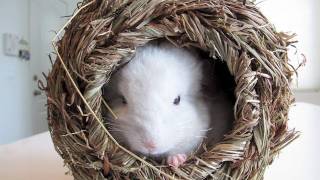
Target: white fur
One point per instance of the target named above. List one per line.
(150, 82)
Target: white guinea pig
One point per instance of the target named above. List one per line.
(160, 109)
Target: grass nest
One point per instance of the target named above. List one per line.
(104, 33)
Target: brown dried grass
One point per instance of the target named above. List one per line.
(105, 33)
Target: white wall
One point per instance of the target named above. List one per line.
(21, 113)
(312, 97)
(15, 82)
(301, 17)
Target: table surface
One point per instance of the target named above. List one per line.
(34, 158)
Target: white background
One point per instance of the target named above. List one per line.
(301, 17)
(23, 115)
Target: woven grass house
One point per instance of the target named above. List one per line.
(104, 33)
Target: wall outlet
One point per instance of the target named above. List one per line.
(11, 44)
(24, 49)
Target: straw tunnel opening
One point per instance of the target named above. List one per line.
(219, 74)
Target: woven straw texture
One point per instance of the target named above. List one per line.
(104, 33)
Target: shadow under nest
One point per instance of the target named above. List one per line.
(104, 33)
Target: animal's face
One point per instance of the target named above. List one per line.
(159, 101)
(155, 124)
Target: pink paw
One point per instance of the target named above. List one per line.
(176, 160)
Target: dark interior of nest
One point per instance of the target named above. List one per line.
(217, 80)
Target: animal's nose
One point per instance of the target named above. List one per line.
(150, 145)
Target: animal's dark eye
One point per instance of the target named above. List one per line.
(124, 101)
(177, 100)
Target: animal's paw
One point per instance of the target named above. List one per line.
(176, 160)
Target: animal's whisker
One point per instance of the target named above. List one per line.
(116, 130)
(206, 130)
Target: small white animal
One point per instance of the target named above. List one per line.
(160, 107)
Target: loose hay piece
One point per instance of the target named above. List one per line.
(105, 33)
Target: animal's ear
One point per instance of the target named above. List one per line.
(111, 90)
(209, 83)
(217, 79)
(209, 89)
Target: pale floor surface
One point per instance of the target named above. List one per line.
(300, 160)
(34, 158)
